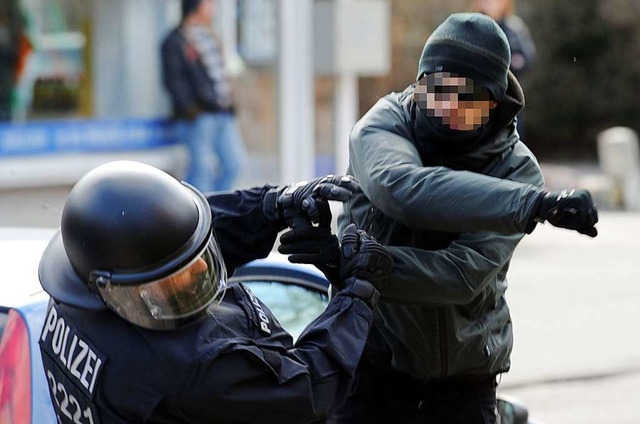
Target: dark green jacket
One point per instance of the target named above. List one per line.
(452, 222)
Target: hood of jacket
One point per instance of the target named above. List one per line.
(440, 146)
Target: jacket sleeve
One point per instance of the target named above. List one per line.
(454, 275)
(265, 382)
(174, 75)
(459, 272)
(240, 227)
(391, 174)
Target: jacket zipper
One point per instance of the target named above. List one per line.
(444, 345)
(369, 223)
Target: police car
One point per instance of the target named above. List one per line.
(296, 294)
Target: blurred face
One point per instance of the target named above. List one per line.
(178, 293)
(459, 103)
(182, 281)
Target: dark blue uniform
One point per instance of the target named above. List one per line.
(236, 365)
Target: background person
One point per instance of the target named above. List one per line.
(195, 77)
(450, 190)
(523, 49)
(143, 328)
(11, 53)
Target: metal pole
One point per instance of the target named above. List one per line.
(347, 95)
(296, 91)
(126, 58)
(225, 20)
(346, 116)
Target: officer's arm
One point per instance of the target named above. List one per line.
(241, 229)
(273, 381)
(246, 222)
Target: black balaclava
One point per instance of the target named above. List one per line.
(446, 140)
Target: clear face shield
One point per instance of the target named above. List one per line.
(175, 300)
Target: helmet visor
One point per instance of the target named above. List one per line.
(173, 300)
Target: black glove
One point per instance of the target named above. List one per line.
(571, 209)
(364, 265)
(313, 245)
(297, 204)
(360, 267)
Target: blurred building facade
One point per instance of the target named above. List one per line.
(96, 60)
(92, 90)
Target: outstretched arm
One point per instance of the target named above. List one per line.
(391, 174)
(511, 201)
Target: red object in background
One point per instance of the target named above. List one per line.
(24, 50)
(15, 372)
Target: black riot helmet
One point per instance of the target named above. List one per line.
(139, 242)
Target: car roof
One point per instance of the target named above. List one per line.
(20, 252)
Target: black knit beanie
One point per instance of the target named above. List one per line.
(189, 6)
(471, 45)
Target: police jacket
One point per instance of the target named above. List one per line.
(451, 214)
(186, 79)
(227, 368)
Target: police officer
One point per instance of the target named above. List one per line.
(143, 328)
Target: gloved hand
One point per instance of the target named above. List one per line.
(364, 266)
(308, 244)
(571, 209)
(360, 267)
(313, 245)
(297, 204)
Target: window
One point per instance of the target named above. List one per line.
(293, 305)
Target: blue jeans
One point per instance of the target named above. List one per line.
(216, 150)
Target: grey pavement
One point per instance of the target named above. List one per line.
(606, 400)
(575, 303)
